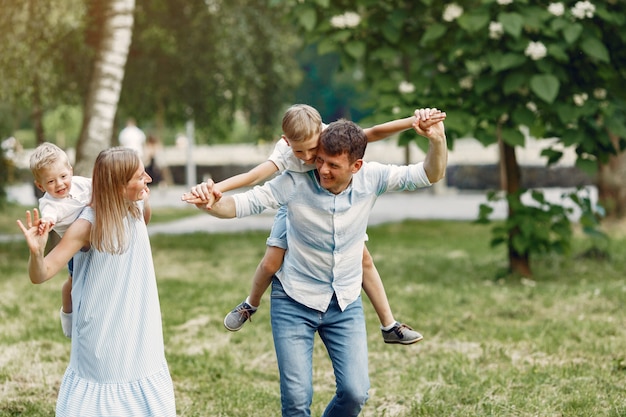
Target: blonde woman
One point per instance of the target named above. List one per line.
(117, 364)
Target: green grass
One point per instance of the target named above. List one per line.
(554, 346)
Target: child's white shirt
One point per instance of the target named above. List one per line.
(64, 211)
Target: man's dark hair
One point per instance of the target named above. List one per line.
(344, 136)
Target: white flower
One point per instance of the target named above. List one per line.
(452, 12)
(406, 87)
(346, 20)
(583, 9)
(536, 50)
(496, 30)
(395, 110)
(504, 2)
(441, 67)
(556, 9)
(531, 106)
(599, 93)
(579, 99)
(466, 83)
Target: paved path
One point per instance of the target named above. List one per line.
(447, 204)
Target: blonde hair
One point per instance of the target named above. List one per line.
(112, 171)
(301, 122)
(45, 155)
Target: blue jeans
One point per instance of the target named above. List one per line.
(343, 333)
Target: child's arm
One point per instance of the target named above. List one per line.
(387, 129)
(257, 174)
(207, 193)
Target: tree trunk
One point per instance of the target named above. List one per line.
(611, 184)
(519, 263)
(106, 83)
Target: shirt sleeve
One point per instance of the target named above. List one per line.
(397, 177)
(271, 195)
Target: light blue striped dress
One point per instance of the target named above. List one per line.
(117, 366)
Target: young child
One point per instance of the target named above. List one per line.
(65, 196)
(296, 151)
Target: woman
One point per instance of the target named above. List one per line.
(117, 364)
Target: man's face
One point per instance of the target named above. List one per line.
(306, 149)
(335, 172)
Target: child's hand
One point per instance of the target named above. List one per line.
(43, 224)
(203, 195)
(426, 118)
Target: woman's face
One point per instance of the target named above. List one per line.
(137, 187)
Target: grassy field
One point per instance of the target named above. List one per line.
(551, 346)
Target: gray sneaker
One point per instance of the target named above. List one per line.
(402, 334)
(236, 318)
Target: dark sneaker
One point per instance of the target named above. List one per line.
(402, 334)
(236, 318)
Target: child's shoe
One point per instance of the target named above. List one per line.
(402, 334)
(236, 318)
(66, 323)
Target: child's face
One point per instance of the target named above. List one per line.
(56, 180)
(305, 150)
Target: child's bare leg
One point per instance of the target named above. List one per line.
(271, 262)
(373, 287)
(392, 331)
(66, 295)
(66, 308)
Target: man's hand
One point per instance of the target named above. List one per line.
(429, 123)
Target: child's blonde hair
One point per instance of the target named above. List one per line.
(112, 171)
(301, 122)
(45, 155)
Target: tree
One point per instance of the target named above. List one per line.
(41, 52)
(494, 66)
(209, 60)
(114, 21)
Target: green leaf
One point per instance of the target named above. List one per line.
(588, 166)
(473, 22)
(355, 49)
(595, 49)
(432, 33)
(513, 82)
(512, 23)
(557, 52)
(572, 32)
(616, 126)
(545, 86)
(513, 137)
(326, 46)
(308, 19)
(391, 34)
(500, 62)
(552, 155)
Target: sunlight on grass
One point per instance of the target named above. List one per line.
(547, 346)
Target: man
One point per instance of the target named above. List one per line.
(318, 287)
(132, 137)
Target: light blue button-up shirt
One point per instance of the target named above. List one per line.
(326, 231)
